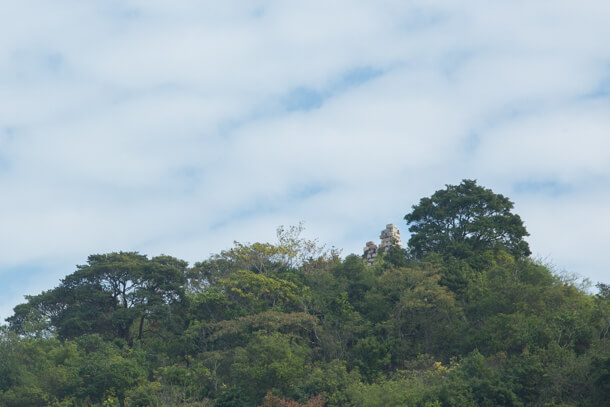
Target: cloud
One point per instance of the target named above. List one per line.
(178, 128)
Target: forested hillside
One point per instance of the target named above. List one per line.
(462, 317)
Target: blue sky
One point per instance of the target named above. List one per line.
(179, 127)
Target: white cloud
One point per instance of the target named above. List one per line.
(569, 144)
(177, 128)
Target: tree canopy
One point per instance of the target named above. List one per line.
(464, 220)
(106, 296)
(292, 324)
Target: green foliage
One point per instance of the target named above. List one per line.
(263, 258)
(272, 400)
(107, 370)
(396, 256)
(600, 371)
(371, 356)
(114, 295)
(36, 371)
(331, 379)
(232, 397)
(468, 322)
(464, 221)
(271, 362)
(257, 292)
(602, 310)
(423, 314)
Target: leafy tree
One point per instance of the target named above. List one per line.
(358, 279)
(423, 314)
(145, 395)
(602, 300)
(372, 356)
(272, 400)
(395, 255)
(470, 322)
(290, 251)
(108, 296)
(488, 387)
(331, 379)
(33, 318)
(107, 370)
(257, 292)
(36, 371)
(465, 220)
(425, 383)
(271, 362)
(601, 374)
(228, 334)
(232, 397)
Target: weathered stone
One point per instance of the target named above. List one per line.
(390, 236)
(370, 251)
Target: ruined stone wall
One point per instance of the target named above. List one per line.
(370, 251)
(390, 236)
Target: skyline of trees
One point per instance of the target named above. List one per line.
(473, 322)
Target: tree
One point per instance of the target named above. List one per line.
(271, 400)
(423, 316)
(107, 296)
(291, 251)
(271, 362)
(465, 220)
(257, 292)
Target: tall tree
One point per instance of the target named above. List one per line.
(465, 220)
(107, 296)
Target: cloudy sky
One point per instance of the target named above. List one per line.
(179, 126)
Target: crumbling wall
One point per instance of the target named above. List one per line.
(390, 236)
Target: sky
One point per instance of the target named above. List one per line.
(177, 127)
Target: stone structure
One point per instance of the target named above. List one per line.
(370, 251)
(390, 236)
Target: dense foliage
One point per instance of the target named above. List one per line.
(463, 220)
(293, 324)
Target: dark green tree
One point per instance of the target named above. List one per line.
(465, 220)
(112, 295)
(468, 322)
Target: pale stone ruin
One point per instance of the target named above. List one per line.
(370, 251)
(390, 236)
